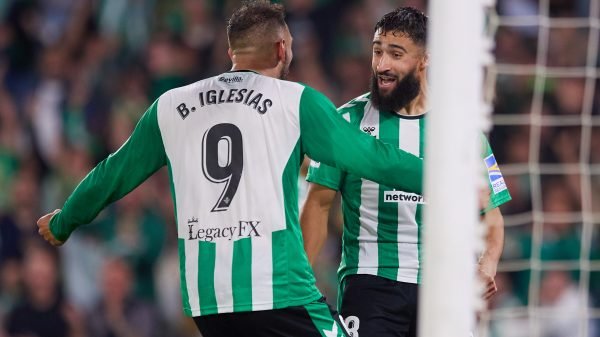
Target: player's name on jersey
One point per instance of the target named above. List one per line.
(242, 229)
(249, 97)
(399, 196)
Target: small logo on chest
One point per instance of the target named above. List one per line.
(370, 130)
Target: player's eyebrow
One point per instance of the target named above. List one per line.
(391, 45)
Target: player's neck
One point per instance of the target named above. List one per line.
(256, 67)
(416, 107)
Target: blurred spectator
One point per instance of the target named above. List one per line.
(75, 75)
(119, 313)
(561, 239)
(561, 302)
(43, 311)
(10, 287)
(134, 230)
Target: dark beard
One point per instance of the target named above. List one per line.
(405, 91)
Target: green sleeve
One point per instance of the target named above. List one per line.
(324, 175)
(498, 190)
(327, 138)
(141, 155)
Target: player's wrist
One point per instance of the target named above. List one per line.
(58, 229)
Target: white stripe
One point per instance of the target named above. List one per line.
(262, 272)
(408, 252)
(191, 274)
(409, 135)
(223, 268)
(369, 202)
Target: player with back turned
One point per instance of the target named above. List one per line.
(381, 250)
(233, 145)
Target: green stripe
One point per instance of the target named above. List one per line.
(241, 275)
(387, 212)
(280, 267)
(281, 241)
(207, 253)
(293, 279)
(187, 308)
(418, 215)
(351, 186)
(351, 213)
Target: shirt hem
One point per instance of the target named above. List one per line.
(213, 310)
(327, 183)
(373, 271)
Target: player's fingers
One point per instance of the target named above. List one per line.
(45, 233)
(490, 291)
(489, 294)
(46, 218)
(44, 228)
(54, 241)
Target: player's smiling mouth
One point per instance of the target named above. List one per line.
(386, 81)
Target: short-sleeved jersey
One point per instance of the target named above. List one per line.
(383, 225)
(233, 145)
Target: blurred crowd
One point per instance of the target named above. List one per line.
(76, 75)
(557, 130)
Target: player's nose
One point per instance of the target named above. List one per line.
(383, 64)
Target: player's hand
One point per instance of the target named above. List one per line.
(487, 277)
(44, 229)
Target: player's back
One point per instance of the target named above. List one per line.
(233, 149)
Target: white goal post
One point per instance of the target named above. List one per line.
(458, 50)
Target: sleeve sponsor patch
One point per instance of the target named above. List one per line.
(496, 179)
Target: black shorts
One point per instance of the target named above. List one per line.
(374, 306)
(314, 319)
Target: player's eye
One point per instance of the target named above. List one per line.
(377, 52)
(397, 55)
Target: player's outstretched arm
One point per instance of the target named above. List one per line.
(494, 243)
(141, 155)
(313, 219)
(328, 138)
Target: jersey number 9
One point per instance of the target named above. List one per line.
(226, 165)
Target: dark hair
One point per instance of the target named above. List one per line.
(407, 20)
(254, 19)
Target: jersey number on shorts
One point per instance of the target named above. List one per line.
(223, 160)
(352, 325)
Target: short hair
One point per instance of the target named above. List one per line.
(406, 20)
(253, 21)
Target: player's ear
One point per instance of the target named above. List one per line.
(230, 53)
(281, 50)
(424, 63)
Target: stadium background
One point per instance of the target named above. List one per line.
(75, 75)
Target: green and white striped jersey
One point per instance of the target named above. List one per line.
(383, 225)
(233, 145)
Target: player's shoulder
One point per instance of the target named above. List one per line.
(357, 103)
(309, 91)
(355, 106)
